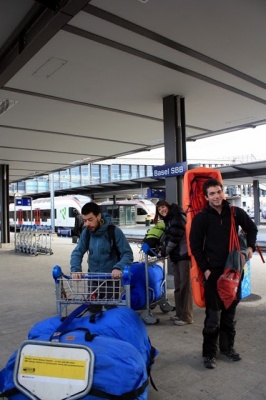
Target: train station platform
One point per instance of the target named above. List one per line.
(27, 296)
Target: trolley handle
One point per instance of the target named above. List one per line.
(58, 273)
(95, 276)
(146, 249)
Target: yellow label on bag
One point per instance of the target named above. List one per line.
(53, 367)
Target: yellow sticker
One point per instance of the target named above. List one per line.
(53, 367)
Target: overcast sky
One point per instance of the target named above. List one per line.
(244, 146)
(251, 142)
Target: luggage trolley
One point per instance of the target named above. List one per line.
(92, 289)
(59, 371)
(147, 315)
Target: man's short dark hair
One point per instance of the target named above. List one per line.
(209, 183)
(91, 207)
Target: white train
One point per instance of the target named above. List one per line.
(129, 212)
(40, 212)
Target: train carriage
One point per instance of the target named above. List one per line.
(40, 212)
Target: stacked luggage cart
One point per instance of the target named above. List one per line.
(33, 240)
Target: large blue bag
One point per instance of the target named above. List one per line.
(121, 322)
(138, 285)
(119, 368)
(119, 340)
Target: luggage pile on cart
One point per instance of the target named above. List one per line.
(33, 239)
(100, 349)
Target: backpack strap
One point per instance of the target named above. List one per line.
(111, 235)
(87, 237)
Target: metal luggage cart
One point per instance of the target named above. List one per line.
(34, 240)
(92, 289)
(147, 315)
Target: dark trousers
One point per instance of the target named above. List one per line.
(107, 291)
(219, 323)
(183, 292)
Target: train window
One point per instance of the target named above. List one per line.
(113, 210)
(45, 214)
(141, 211)
(71, 212)
(27, 215)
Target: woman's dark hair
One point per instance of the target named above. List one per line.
(91, 207)
(159, 204)
(209, 183)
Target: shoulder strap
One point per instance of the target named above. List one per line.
(234, 240)
(88, 236)
(111, 235)
(64, 325)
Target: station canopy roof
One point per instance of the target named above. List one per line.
(233, 175)
(83, 81)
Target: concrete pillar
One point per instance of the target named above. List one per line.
(175, 143)
(256, 194)
(4, 204)
(175, 151)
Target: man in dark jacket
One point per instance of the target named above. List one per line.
(175, 246)
(209, 242)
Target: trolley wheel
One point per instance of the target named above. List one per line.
(167, 307)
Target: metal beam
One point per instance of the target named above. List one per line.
(37, 28)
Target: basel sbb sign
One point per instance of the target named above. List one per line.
(169, 170)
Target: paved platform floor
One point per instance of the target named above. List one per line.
(27, 295)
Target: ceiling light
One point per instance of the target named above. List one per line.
(6, 104)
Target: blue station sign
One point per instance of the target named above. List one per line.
(23, 202)
(156, 193)
(169, 170)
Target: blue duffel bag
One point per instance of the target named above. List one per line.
(138, 284)
(123, 351)
(119, 370)
(120, 322)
